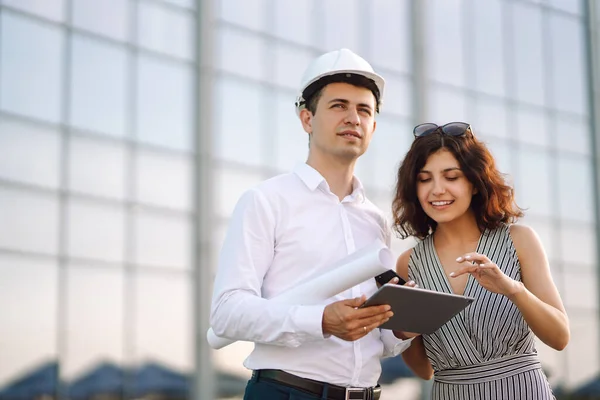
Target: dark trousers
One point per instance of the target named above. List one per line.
(264, 389)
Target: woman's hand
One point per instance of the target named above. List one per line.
(488, 274)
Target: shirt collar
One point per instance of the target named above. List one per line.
(313, 179)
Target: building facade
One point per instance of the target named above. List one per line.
(129, 128)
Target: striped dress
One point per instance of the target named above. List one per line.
(487, 351)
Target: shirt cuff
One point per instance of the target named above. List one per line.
(392, 345)
(309, 320)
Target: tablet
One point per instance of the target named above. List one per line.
(417, 310)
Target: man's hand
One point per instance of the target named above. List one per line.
(345, 320)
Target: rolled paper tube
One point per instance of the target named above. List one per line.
(346, 273)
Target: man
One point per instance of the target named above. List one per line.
(294, 226)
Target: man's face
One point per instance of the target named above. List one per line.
(343, 123)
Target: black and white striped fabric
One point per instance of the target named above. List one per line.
(487, 351)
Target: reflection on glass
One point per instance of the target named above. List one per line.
(578, 244)
(30, 153)
(51, 9)
(290, 140)
(568, 64)
(531, 126)
(229, 187)
(294, 20)
(163, 320)
(97, 167)
(164, 112)
(95, 330)
(30, 67)
(164, 180)
(393, 54)
(444, 45)
(162, 240)
(533, 184)
(528, 52)
(28, 328)
(166, 30)
(239, 121)
(446, 105)
(337, 34)
(489, 117)
(573, 134)
(98, 86)
(95, 230)
(488, 48)
(576, 190)
(290, 63)
(29, 221)
(241, 53)
(108, 17)
(251, 14)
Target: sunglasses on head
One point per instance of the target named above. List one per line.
(450, 129)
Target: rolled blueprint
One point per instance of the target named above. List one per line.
(346, 273)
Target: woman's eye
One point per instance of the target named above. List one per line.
(452, 178)
(423, 180)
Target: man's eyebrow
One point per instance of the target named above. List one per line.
(344, 101)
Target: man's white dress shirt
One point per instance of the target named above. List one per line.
(282, 232)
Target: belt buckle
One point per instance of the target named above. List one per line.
(355, 394)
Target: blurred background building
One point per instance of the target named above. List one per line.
(128, 129)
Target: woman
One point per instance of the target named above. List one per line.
(450, 195)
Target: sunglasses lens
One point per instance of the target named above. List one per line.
(455, 128)
(424, 129)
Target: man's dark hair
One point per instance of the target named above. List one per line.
(313, 92)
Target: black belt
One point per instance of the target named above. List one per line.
(334, 392)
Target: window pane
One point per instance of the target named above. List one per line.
(29, 221)
(502, 152)
(533, 188)
(575, 188)
(531, 126)
(99, 86)
(183, 3)
(241, 53)
(97, 167)
(581, 359)
(31, 57)
(95, 231)
(165, 103)
(573, 134)
(162, 240)
(230, 185)
(528, 47)
(107, 17)
(290, 63)
(444, 41)
(51, 9)
(446, 105)
(290, 141)
(490, 118)
(580, 289)
(545, 229)
(251, 14)
(488, 48)
(334, 34)
(568, 64)
(390, 143)
(165, 30)
(95, 306)
(397, 96)
(164, 324)
(394, 15)
(164, 180)
(28, 328)
(578, 244)
(239, 121)
(572, 6)
(294, 20)
(30, 153)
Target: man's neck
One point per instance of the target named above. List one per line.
(338, 174)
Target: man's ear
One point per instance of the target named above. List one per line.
(306, 118)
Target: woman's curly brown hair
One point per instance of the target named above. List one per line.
(493, 204)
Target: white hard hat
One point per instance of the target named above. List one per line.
(337, 62)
